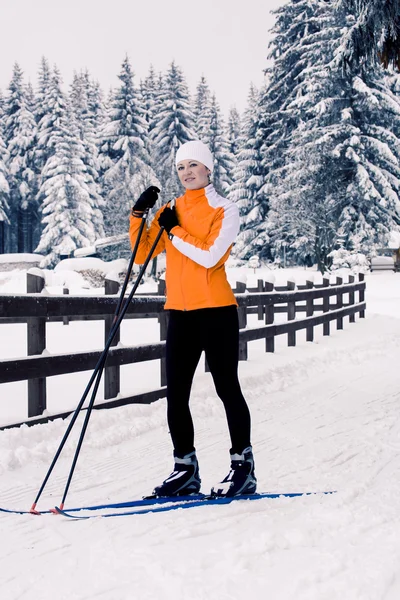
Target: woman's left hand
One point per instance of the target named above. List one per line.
(168, 219)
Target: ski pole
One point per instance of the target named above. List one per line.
(130, 267)
(98, 364)
(103, 360)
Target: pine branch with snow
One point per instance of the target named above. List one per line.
(202, 101)
(20, 138)
(125, 164)
(4, 186)
(216, 139)
(173, 126)
(70, 208)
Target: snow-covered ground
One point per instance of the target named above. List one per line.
(325, 416)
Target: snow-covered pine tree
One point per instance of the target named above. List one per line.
(71, 216)
(234, 131)
(86, 113)
(299, 30)
(149, 92)
(20, 139)
(374, 35)
(392, 78)
(104, 159)
(96, 103)
(44, 116)
(87, 103)
(151, 97)
(78, 100)
(275, 122)
(4, 186)
(2, 104)
(124, 157)
(201, 108)
(95, 120)
(44, 78)
(233, 134)
(4, 198)
(216, 140)
(2, 113)
(248, 179)
(371, 156)
(341, 174)
(152, 94)
(159, 94)
(110, 99)
(173, 126)
(30, 97)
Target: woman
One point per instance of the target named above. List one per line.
(199, 232)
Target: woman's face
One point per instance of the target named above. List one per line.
(192, 174)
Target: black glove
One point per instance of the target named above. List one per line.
(168, 219)
(147, 199)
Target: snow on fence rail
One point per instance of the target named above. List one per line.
(265, 300)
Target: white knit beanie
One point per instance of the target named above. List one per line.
(195, 151)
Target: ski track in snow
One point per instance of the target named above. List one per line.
(325, 416)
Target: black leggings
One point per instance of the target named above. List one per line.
(216, 331)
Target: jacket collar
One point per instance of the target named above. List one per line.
(195, 194)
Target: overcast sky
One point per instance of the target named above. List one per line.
(226, 40)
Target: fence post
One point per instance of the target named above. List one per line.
(269, 318)
(310, 312)
(291, 315)
(111, 374)
(242, 312)
(361, 297)
(163, 321)
(65, 317)
(339, 303)
(36, 343)
(325, 306)
(352, 318)
(260, 310)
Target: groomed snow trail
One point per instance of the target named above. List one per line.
(325, 416)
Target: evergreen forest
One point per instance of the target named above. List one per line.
(313, 162)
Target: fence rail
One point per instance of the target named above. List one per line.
(36, 309)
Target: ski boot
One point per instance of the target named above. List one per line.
(184, 480)
(241, 479)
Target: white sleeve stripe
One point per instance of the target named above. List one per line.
(226, 237)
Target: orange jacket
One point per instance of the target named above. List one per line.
(198, 250)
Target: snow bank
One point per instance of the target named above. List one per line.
(91, 263)
(11, 262)
(20, 258)
(87, 275)
(93, 270)
(324, 415)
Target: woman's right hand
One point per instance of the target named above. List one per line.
(147, 199)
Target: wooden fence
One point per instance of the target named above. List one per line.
(36, 309)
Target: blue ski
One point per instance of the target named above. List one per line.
(149, 501)
(143, 507)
